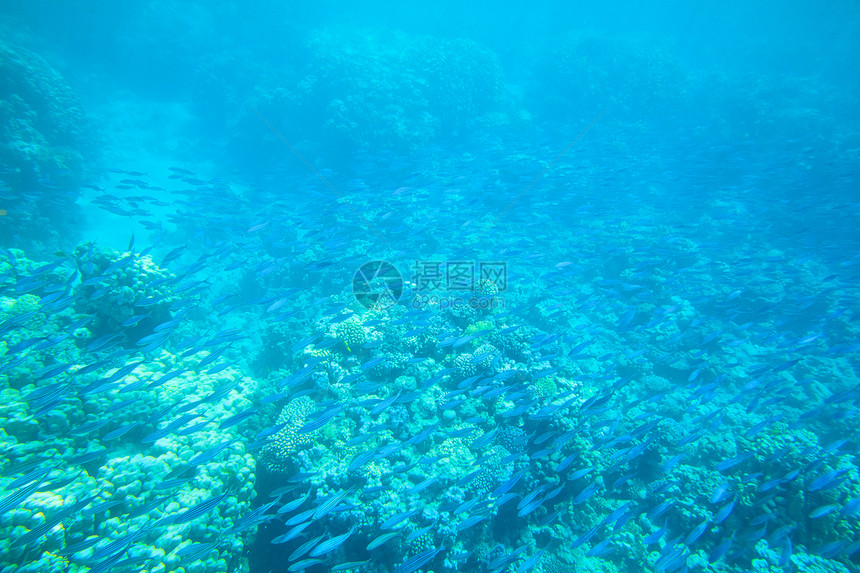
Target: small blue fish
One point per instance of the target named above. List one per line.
(198, 510)
(397, 519)
(823, 510)
(484, 440)
(732, 462)
(302, 550)
(724, 511)
(696, 533)
(372, 362)
(586, 493)
(331, 544)
(418, 561)
(328, 505)
(382, 539)
(210, 454)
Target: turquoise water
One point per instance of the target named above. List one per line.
(383, 289)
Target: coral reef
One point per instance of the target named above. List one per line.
(374, 89)
(118, 453)
(42, 137)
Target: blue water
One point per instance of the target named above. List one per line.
(387, 288)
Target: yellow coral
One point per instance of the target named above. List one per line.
(352, 333)
(28, 303)
(482, 326)
(25, 304)
(546, 387)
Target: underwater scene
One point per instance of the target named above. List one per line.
(380, 287)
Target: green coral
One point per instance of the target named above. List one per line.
(484, 356)
(463, 365)
(486, 288)
(481, 329)
(769, 560)
(129, 478)
(352, 332)
(277, 454)
(114, 295)
(55, 434)
(545, 387)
